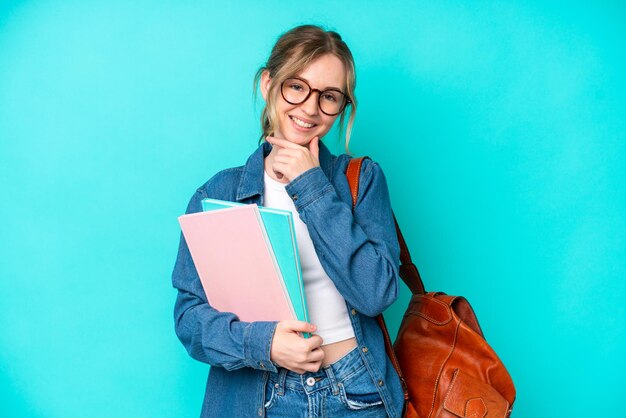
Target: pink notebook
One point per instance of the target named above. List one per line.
(237, 268)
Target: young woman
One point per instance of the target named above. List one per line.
(349, 259)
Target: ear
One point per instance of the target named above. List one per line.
(265, 83)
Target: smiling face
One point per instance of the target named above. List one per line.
(301, 123)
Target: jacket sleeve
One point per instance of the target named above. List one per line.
(359, 251)
(214, 337)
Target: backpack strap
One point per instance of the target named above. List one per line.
(353, 173)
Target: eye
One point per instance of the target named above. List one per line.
(296, 86)
(330, 96)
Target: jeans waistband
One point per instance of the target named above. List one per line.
(326, 376)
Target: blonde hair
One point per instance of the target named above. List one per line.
(293, 52)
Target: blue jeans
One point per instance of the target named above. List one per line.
(341, 389)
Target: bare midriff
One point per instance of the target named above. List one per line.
(335, 351)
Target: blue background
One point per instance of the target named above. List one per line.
(500, 127)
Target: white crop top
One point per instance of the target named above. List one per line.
(327, 308)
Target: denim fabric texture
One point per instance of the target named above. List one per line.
(342, 389)
(359, 251)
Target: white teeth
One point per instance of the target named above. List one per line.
(302, 123)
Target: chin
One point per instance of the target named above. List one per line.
(298, 138)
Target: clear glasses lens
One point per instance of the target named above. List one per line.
(296, 91)
(331, 101)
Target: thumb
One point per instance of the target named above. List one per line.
(314, 147)
(298, 326)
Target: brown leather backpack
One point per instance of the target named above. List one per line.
(446, 367)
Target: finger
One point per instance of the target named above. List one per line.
(291, 152)
(282, 142)
(280, 169)
(285, 159)
(314, 147)
(286, 170)
(271, 139)
(315, 341)
(317, 355)
(313, 367)
(294, 325)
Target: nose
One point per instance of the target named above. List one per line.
(310, 105)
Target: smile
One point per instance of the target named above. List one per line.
(301, 123)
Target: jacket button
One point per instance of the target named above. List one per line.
(353, 311)
(381, 383)
(364, 349)
(262, 365)
(310, 381)
(295, 197)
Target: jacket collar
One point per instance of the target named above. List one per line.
(252, 183)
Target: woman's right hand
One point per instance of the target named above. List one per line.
(293, 352)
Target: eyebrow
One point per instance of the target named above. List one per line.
(325, 88)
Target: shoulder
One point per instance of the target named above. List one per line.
(372, 181)
(222, 185)
(372, 173)
(370, 169)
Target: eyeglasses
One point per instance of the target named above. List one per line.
(296, 91)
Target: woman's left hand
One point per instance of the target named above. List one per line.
(291, 159)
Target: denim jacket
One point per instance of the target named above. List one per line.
(359, 251)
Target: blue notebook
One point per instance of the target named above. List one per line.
(281, 232)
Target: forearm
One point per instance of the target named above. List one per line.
(219, 338)
(359, 251)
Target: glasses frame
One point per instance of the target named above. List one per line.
(346, 102)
